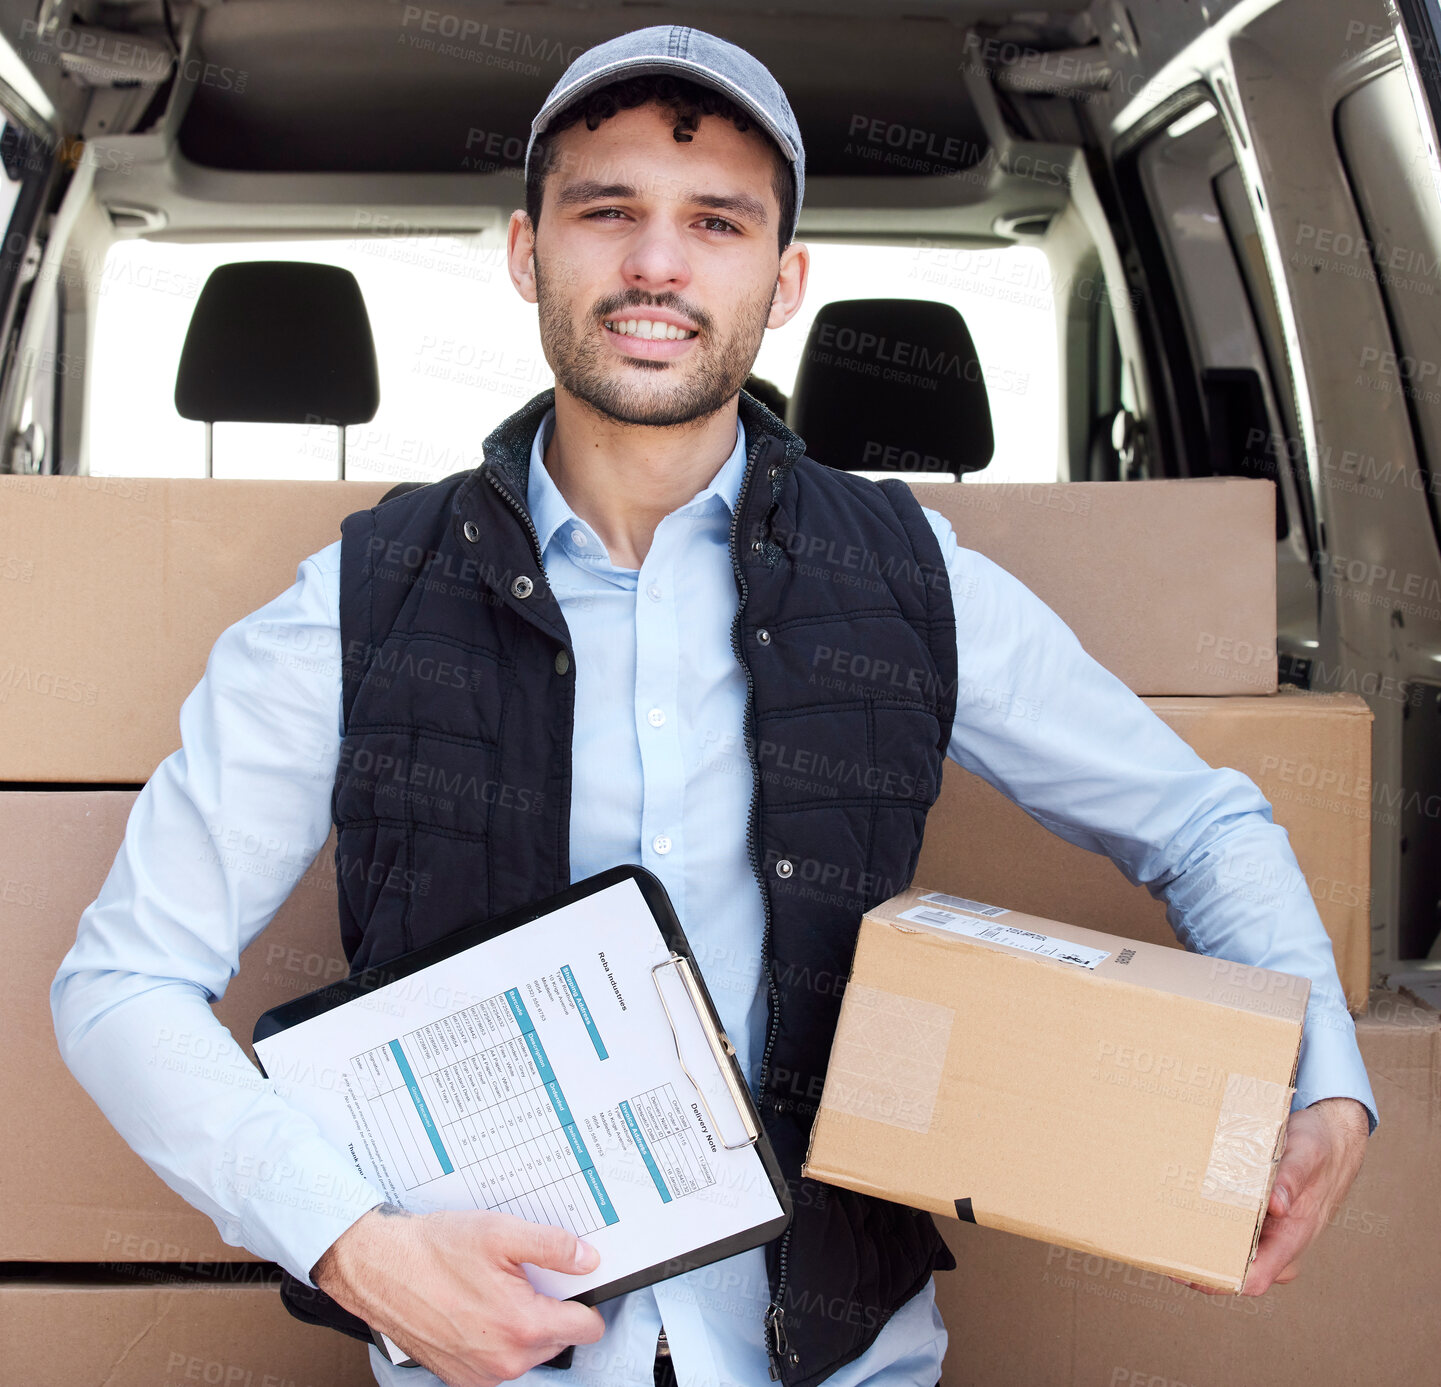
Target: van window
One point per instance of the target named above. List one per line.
(458, 351)
(1397, 186)
(1233, 401)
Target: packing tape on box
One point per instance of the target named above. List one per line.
(888, 1057)
(1243, 1149)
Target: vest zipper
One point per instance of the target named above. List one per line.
(775, 1331)
(519, 510)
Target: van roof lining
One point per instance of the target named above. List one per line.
(371, 86)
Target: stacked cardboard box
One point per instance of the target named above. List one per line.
(70, 1189)
(159, 1330)
(118, 587)
(1170, 585)
(92, 673)
(1021, 1312)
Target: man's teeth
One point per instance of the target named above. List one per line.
(647, 327)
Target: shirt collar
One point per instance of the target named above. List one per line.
(549, 510)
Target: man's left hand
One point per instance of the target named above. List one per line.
(1324, 1146)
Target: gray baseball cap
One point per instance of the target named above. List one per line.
(685, 52)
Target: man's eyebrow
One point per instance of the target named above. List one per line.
(740, 203)
(590, 190)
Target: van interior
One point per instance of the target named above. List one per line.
(1163, 239)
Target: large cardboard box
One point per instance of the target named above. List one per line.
(151, 1333)
(1310, 754)
(1044, 1079)
(70, 1189)
(1362, 1310)
(1169, 584)
(114, 589)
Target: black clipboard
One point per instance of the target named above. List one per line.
(681, 959)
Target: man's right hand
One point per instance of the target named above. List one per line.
(448, 1288)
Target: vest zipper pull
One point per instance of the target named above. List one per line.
(776, 1333)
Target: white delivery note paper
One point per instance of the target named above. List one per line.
(551, 1072)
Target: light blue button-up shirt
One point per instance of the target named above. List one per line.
(227, 826)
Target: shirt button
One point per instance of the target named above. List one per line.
(653, 592)
(661, 844)
(784, 867)
(562, 662)
(763, 636)
(579, 537)
(656, 717)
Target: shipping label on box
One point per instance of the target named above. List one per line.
(1100, 1093)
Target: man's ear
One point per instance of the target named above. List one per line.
(520, 254)
(790, 284)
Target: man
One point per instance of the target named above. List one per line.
(615, 583)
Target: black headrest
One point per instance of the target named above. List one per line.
(892, 385)
(279, 342)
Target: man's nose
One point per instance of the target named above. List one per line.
(657, 257)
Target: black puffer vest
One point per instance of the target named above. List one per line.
(452, 796)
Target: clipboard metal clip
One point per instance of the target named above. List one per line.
(721, 1048)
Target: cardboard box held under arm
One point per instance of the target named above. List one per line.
(1099, 1093)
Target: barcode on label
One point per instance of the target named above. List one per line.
(931, 917)
(1062, 950)
(961, 903)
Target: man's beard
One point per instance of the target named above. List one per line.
(630, 390)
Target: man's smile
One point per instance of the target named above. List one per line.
(649, 334)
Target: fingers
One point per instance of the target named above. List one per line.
(554, 1321)
(1298, 1204)
(540, 1326)
(566, 1322)
(1290, 1273)
(451, 1289)
(1197, 1286)
(1282, 1242)
(1301, 1163)
(546, 1245)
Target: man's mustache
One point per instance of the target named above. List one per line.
(637, 298)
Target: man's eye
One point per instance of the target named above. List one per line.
(605, 213)
(719, 224)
